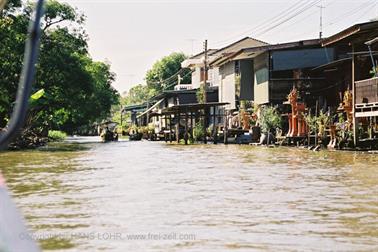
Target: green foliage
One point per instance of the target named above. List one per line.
(237, 85)
(311, 122)
(269, 118)
(198, 131)
(164, 69)
(318, 123)
(37, 95)
(71, 90)
(200, 94)
(56, 136)
(190, 141)
(138, 94)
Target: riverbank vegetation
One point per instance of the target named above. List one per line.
(56, 136)
(77, 90)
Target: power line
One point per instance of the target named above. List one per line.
(366, 12)
(174, 83)
(262, 24)
(347, 14)
(352, 12)
(302, 10)
(281, 19)
(167, 79)
(306, 17)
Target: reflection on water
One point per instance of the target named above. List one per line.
(128, 196)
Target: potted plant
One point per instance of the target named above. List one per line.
(269, 119)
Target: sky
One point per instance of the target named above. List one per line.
(132, 34)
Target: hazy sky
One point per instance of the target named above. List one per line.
(133, 34)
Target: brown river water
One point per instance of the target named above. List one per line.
(83, 195)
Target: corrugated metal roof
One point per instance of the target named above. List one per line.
(251, 52)
(363, 31)
(225, 52)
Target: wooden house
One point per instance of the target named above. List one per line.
(355, 69)
(235, 77)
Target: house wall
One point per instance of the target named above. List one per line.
(227, 89)
(261, 79)
(172, 101)
(196, 77)
(214, 77)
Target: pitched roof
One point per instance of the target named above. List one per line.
(197, 59)
(230, 49)
(252, 52)
(201, 54)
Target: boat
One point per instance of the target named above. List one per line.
(109, 131)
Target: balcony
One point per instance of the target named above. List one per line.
(183, 87)
(367, 92)
(367, 98)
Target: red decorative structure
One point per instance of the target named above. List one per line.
(297, 123)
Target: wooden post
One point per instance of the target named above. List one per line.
(186, 136)
(225, 128)
(316, 127)
(191, 124)
(355, 137)
(215, 128)
(178, 128)
(205, 72)
(170, 128)
(148, 114)
(205, 126)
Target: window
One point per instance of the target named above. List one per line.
(237, 67)
(262, 75)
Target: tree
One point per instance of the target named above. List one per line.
(77, 90)
(138, 95)
(166, 68)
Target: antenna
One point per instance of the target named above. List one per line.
(321, 7)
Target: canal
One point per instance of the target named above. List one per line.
(83, 195)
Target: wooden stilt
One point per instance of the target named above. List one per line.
(225, 128)
(215, 128)
(192, 125)
(205, 126)
(355, 137)
(178, 128)
(170, 128)
(186, 136)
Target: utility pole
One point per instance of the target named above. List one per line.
(321, 7)
(206, 112)
(205, 72)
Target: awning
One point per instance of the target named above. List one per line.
(192, 107)
(151, 108)
(359, 33)
(332, 64)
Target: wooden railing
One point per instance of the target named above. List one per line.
(183, 87)
(367, 91)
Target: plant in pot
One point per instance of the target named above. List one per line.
(323, 121)
(269, 119)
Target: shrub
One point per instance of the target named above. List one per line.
(198, 131)
(269, 118)
(56, 136)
